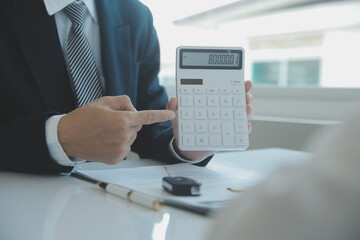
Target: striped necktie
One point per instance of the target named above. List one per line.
(80, 57)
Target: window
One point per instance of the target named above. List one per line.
(266, 73)
(305, 72)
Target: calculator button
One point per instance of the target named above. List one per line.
(239, 113)
(201, 140)
(237, 90)
(213, 113)
(226, 101)
(225, 90)
(188, 140)
(215, 139)
(186, 101)
(239, 101)
(235, 82)
(227, 113)
(213, 101)
(200, 101)
(239, 139)
(187, 113)
(199, 90)
(188, 126)
(212, 90)
(240, 126)
(200, 113)
(186, 90)
(228, 133)
(201, 126)
(214, 126)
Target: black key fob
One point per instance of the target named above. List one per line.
(181, 186)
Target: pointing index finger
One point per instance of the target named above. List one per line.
(147, 117)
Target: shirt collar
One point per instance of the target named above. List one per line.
(54, 6)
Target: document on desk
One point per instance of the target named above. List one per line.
(148, 180)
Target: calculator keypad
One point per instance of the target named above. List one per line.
(213, 118)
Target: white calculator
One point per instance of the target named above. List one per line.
(210, 90)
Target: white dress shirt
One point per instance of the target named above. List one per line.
(92, 31)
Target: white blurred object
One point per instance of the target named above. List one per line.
(318, 200)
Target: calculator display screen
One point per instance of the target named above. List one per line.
(191, 81)
(210, 59)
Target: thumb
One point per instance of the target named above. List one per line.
(172, 104)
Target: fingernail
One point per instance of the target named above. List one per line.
(172, 115)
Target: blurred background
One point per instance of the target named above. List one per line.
(303, 57)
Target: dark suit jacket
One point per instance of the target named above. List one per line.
(34, 82)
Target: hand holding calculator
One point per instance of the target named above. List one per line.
(211, 93)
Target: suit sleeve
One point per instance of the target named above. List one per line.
(23, 146)
(153, 140)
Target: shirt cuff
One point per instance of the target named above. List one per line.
(173, 152)
(55, 149)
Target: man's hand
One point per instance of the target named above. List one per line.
(104, 130)
(197, 155)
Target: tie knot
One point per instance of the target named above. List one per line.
(76, 12)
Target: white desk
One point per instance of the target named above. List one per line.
(42, 207)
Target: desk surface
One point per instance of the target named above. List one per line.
(42, 207)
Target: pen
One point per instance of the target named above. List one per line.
(187, 207)
(132, 196)
(143, 199)
(125, 193)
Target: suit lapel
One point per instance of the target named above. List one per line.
(38, 39)
(115, 47)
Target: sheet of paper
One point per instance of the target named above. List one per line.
(148, 180)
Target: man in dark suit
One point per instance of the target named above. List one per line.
(37, 91)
